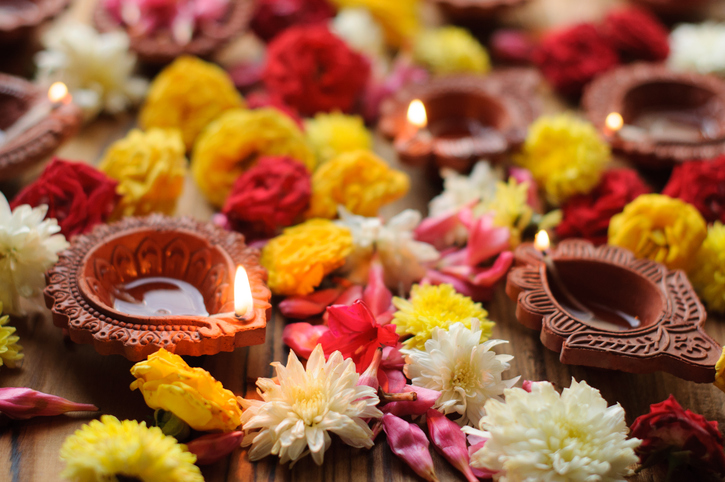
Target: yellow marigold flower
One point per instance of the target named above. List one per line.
(565, 155)
(150, 168)
(9, 347)
(510, 208)
(105, 449)
(192, 394)
(667, 230)
(720, 372)
(332, 134)
(708, 271)
(360, 181)
(232, 144)
(188, 94)
(432, 307)
(446, 50)
(299, 258)
(399, 18)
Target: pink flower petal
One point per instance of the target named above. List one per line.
(214, 446)
(450, 442)
(370, 376)
(426, 399)
(302, 337)
(435, 231)
(376, 295)
(409, 442)
(23, 403)
(301, 307)
(488, 277)
(485, 240)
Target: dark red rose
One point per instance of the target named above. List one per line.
(636, 34)
(668, 429)
(268, 196)
(272, 17)
(312, 70)
(587, 216)
(512, 45)
(78, 195)
(570, 58)
(702, 184)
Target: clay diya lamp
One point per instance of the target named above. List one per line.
(476, 10)
(454, 121)
(33, 123)
(602, 307)
(141, 284)
(19, 17)
(160, 47)
(657, 117)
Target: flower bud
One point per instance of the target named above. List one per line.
(23, 403)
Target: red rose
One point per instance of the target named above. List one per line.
(702, 184)
(272, 17)
(669, 428)
(587, 216)
(77, 195)
(636, 34)
(312, 70)
(270, 195)
(570, 58)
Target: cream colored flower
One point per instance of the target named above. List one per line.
(299, 412)
(359, 29)
(698, 47)
(465, 371)
(29, 245)
(459, 189)
(572, 437)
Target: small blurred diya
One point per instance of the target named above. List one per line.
(160, 47)
(476, 10)
(33, 124)
(454, 121)
(141, 284)
(18, 18)
(602, 307)
(657, 117)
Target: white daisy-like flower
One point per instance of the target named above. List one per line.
(28, 246)
(459, 189)
(97, 68)
(544, 436)
(698, 47)
(464, 370)
(359, 29)
(299, 412)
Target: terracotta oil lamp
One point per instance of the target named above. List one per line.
(19, 17)
(141, 284)
(657, 117)
(602, 307)
(454, 121)
(468, 10)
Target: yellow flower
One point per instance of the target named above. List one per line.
(105, 449)
(360, 181)
(708, 271)
(192, 394)
(399, 18)
(232, 144)
(447, 50)
(299, 258)
(669, 231)
(432, 307)
(188, 94)
(565, 155)
(150, 168)
(720, 372)
(332, 134)
(9, 347)
(510, 208)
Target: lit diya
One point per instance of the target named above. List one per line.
(19, 17)
(657, 117)
(141, 284)
(602, 307)
(454, 121)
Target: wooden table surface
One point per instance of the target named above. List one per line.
(29, 449)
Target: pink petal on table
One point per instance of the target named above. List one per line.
(376, 295)
(450, 442)
(435, 231)
(302, 337)
(426, 399)
(485, 240)
(350, 295)
(214, 446)
(464, 287)
(488, 277)
(301, 307)
(409, 442)
(22, 403)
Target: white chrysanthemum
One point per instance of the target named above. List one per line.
(464, 370)
(698, 47)
(97, 68)
(459, 189)
(297, 414)
(359, 29)
(544, 436)
(28, 246)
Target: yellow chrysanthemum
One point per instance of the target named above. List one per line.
(232, 144)
(720, 372)
(104, 449)
(669, 231)
(192, 394)
(447, 50)
(332, 134)
(9, 347)
(510, 208)
(432, 307)
(188, 94)
(399, 18)
(360, 181)
(565, 155)
(299, 258)
(708, 271)
(150, 168)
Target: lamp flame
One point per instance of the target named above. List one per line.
(58, 92)
(614, 121)
(541, 241)
(243, 302)
(416, 114)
